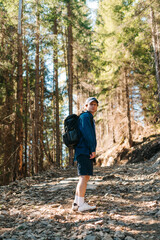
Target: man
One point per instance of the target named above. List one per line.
(85, 153)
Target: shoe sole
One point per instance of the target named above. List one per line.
(87, 210)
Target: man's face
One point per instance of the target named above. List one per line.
(92, 107)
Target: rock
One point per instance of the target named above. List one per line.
(158, 214)
(59, 217)
(3, 212)
(92, 237)
(2, 217)
(22, 226)
(129, 238)
(39, 231)
(107, 237)
(100, 234)
(106, 230)
(111, 176)
(119, 234)
(13, 238)
(108, 162)
(69, 180)
(100, 222)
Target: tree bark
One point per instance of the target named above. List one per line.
(55, 61)
(8, 138)
(155, 47)
(41, 118)
(31, 133)
(19, 118)
(78, 94)
(36, 115)
(70, 57)
(128, 110)
(158, 43)
(26, 114)
(70, 67)
(112, 119)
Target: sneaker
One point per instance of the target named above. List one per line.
(74, 207)
(86, 207)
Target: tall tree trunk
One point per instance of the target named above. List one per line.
(112, 119)
(155, 47)
(36, 115)
(128, 110)
(158, 43)
(70, 66)
(118, 97)
(53, 159)
(41, 118)
(78, 94)
(31, 133)
(123, 94)
(26, 113)
(70, 57)
(107, 118)
(19, 118)
(64, 43)
(8, 138)
(65, 51)
(29, 161)
(55, 61)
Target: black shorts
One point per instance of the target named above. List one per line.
(84, 165)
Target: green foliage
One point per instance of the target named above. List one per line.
(123, 40)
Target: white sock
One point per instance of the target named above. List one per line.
(80, 201)
(76, 199)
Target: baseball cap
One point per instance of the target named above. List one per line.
(91, 99)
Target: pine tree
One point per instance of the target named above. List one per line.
(19, 116)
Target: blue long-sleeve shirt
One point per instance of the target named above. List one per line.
(87, 143)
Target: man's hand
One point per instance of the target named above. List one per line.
(92, 155)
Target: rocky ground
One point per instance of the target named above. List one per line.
(127, 199)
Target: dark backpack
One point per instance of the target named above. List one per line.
(71, 136)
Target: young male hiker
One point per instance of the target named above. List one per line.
(85, 153)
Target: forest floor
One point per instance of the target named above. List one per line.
(127, 199)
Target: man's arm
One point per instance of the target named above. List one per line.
(88, 132)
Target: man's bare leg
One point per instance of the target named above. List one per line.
(79, 203)
(81, 190)
(82, 185)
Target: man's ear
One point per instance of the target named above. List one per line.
(85, 106)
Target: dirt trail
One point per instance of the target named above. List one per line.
(127, 199)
